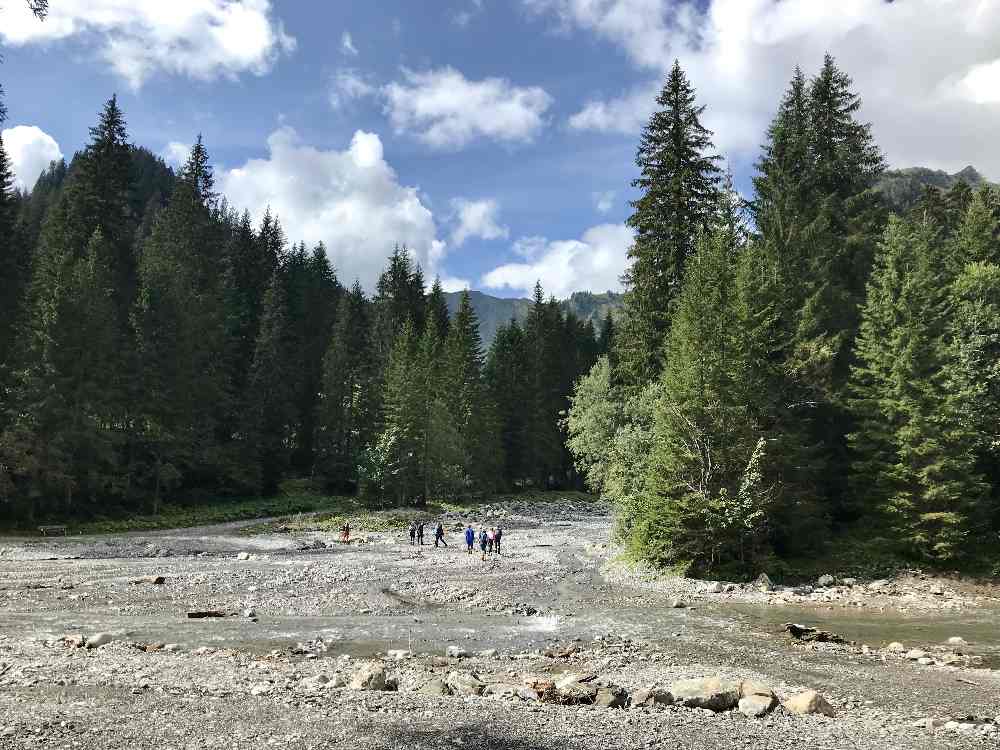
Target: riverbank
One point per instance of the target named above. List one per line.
(303, 615)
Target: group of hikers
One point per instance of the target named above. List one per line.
(489, 541)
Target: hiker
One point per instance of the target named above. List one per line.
(482, 542)
(470, 538)
(420, 533)
(345, 533)
(439, 535)
(490, 538)
(497, 538)
(413, 531)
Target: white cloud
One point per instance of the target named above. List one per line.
(464, 17)
(446, 110)
(30, 150)
(351, 200)
(476, 219)
(928, 70)
(347, 44)
(453, 284)
(176, 153)
(203, 39)
(349, 85)
(596, 261)
(605, 201)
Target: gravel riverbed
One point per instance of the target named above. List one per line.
(554, 644)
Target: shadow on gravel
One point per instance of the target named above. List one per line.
(483, 736)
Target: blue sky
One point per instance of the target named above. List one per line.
(495, 138)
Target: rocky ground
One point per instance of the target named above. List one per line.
(380, 644)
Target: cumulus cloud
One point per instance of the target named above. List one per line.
(30, 150)
(351, 200)
(445, 110)
(203, 39)
(347, 44)
(925, 68)
(349, 85)
(596, 261)
(176, 153)
(476, 219)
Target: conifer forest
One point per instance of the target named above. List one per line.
(790, 368)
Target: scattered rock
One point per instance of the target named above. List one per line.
(74, 641)
(399, 654)
(370, 677)
(155, 580)
(99, 639)
(677, 603)
(714, 588)
(896, 647)
(652, 697)
(456, 652)
(755, 706)
(261, 688)
(243, 556)
(172, 648)
(850, 581)
(957, 641)
(825, 580)
(490, 653)
(915, 654)
(712, 693)
(612, 696)
(809, 635)
(763, 583)
(435, 687)
(809, 702)
(465, 683)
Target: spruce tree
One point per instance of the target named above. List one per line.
(914, 445)
(707, 502)
(271, 411)
(679, 181)
(347, 421)
(437, 310)
(508, 379)
(471, 408)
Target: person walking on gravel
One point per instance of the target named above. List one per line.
(413, 532)
(470, 538)
(439, 535)
(496, 539)
(420, 533)
(490, 538)
(483, 541)
(345, 533)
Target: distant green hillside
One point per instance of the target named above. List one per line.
(902, 188)
(494, 312)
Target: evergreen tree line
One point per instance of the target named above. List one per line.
(802, 366)
(156, 344)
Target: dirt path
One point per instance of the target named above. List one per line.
(554, 603)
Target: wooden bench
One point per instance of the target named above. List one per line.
(46, 530)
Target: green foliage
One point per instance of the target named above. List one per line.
(679, 181)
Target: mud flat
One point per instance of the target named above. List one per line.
(553, 644)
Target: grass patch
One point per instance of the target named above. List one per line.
(224, 511)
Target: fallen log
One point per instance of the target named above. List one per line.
(205, 614)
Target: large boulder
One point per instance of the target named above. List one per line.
(825, 580)
(370, 677)
(713, 693)
(465, 683)
(809, 702)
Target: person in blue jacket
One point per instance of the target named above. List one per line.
(470, 538)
